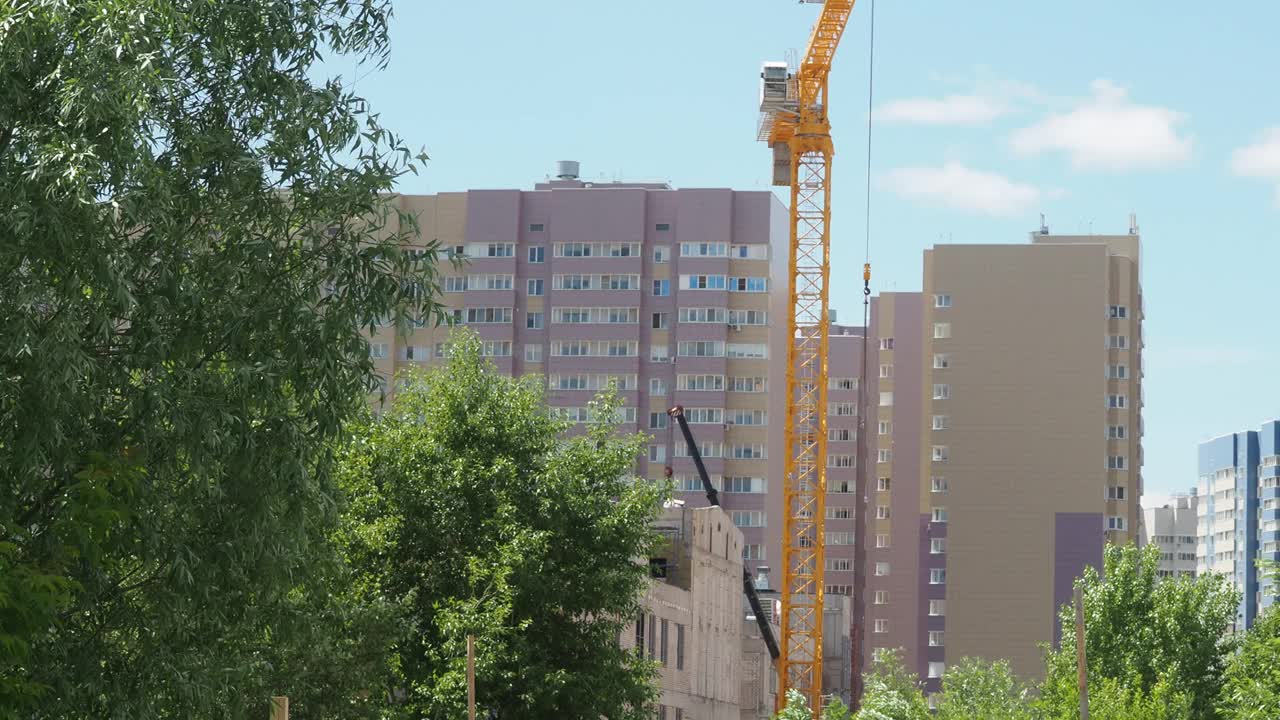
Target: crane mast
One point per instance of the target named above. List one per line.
(794, 122)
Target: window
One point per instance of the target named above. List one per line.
(658, 353)
(748, 317)
(1118, 342)
(595, 315)
(749, 252)
(659, 320)
(941, 422)
(886, 371)
(882, 512)
(579, 249)
(661, 254)
(839, 434)
(884, 455)
(881, 597)
(936, 669)
(700, 348)
(455, 284)
(662, 646)
(702, 315)
(533, 321)
(941, 331)
(883, 484)
(938, 484)
(942, 301)
(882, 569)
(839, 461)
(842, 409)
(657, 453)
(886, 343)
(839, 486)
(940, 453)
(704, 249)
(1116, 432)
(939, 515)
(749, 417)
(657, 420)
(880, 625)
(679, 652)
(458, 251)
(882, 540)
(937, 546)
(937, 607)
(842, 383)
(707, 448)
(378, 351)
(417, 353)
(537, 227)
(1117, 372)
(1115, 462)
(493, 250)
(841, 538)
(704, 416)
(749, 284)
(496, 348)
(878, 654)
(489, 282)
(748, 485)
(748, 384)
(941, 392)
(937, 576)
(596, 348)
(749, 451)
(1115, 493)
(749, 351)
(534, 287)
(439, 350)
(753, 552)
(839, 564)
(488, 315)
(701, 282)
(840, 589)
(749, 518)
(661, 288)
(657, 386)
(1117, 401)
(886, 399)
(699, 382)
(662, 227)
(1116, 522)
(640, 635)
(537, 254)
(1119, 312)
(941, 361)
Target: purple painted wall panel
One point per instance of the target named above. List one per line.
(493, 215)
(1077, 543)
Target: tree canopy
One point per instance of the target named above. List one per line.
(472, 513)
(193, 230)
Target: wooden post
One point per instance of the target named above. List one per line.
(471, 677)
(280, 708)
(1082, 673)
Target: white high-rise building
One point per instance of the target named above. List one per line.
(1172, 528)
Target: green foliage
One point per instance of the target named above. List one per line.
(1251, 690)
(796, 708)
(471, 513)
(891, 692)
(1112, 699)
(1140, 631)
(972, 688)
(177, 194)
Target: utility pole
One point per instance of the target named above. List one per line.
(280, 708)
(1082, 672)
(471, 677)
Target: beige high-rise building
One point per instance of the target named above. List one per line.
(1004, 407)
(1031, 441)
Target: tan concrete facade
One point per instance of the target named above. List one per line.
(1031, 423)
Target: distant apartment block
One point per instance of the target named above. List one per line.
(675, 296)
(1239, 514)
(1172, 529)
(1006, 413)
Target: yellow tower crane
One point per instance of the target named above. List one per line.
(794, 122)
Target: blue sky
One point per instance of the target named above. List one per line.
(987, 115)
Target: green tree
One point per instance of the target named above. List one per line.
(891, 692)
(797, 708)
(1112, 699)
(972, 688)
(472, 513)
(1251, 688)
(1141, 629)
(193, 230)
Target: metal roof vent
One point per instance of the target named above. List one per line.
(567, 169)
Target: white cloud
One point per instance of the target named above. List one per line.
(1110, 132)
(1261, 159)
(949, 110)
(956, 186)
